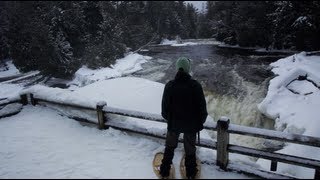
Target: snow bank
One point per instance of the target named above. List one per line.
(293, 100)
(10, 90)
(281, 102)
(168, 42)
(185, 44)
(129, 64)
(9, 69)
(127, 93)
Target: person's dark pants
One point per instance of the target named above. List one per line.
(189, 142)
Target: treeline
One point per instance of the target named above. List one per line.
(271, 24)
(58, 37)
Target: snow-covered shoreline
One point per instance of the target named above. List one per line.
(293, 100)
(189, 42)
(9, 69)
(290, 98)
(129, 64)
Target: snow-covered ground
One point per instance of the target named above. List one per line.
(8, 69)
(9, 92)
(41, 142)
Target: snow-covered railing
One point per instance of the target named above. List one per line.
(35, 101)
(145, 116)
(136, 114)
(4, 102)
(274, 135)
(222, 145)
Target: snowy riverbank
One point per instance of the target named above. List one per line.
(293, 100)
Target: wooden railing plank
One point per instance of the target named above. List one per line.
(203, 143)
(65, 104)
(311, 163)
(275, 135)
(135, 114)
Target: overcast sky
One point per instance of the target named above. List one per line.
(197, 4)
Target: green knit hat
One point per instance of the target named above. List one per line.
(183, 63)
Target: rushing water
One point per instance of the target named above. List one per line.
(234, 81)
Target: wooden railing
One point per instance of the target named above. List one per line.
(222, 145)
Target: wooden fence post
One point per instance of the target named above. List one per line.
(317, 174)
(223, 141)
(101, 117)
(274, 165)
(33, 101)
(24, 99)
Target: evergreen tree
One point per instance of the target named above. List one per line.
(222, 24)
(136, 30)
(4, 29)
(61, 60)
(57, 37)
(182, 19)
(253, 27)
(106, 47)
(28, 40)
(191, 21)
(296, 25)
(241, 22)
(203, 30)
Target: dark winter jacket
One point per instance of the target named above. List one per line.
(183, 104)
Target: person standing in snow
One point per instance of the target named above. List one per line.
(184, 108)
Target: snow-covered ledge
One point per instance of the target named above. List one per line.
(293, 101)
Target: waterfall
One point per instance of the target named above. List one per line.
(241, 110)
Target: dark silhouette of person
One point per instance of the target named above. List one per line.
(184, 108)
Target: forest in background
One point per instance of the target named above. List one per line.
(58, 37)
